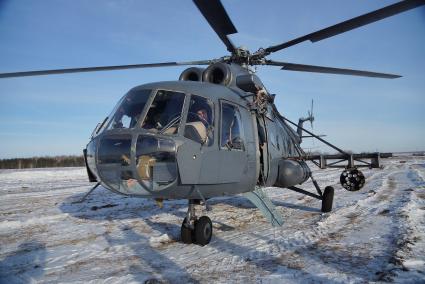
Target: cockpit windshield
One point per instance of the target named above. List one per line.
(129, 109)
(164, 114)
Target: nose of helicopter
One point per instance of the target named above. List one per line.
(90, 160)
(133, 164)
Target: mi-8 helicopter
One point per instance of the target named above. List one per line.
(216, 131)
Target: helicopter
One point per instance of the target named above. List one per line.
(216, 130)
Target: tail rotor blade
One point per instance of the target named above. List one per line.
(311, 115)
(312, 107)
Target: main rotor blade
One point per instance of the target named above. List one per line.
(351, 24)
(101, 68)
(329, 70)
(214, 12)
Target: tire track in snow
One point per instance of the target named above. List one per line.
(410, 253)
(370, 257)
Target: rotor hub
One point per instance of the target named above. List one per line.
(241, 55)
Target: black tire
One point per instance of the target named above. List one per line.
(203, 230)
(186, 233)
(328, 197)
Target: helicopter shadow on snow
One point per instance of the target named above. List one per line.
(105, 205)
(244, 203)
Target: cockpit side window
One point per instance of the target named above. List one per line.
(129, 110)
(231, 128)
(164, 114)
(200, 120)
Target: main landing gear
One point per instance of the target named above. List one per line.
(327, 196)
(327, 199)
(194, 230)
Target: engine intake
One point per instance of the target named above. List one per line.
(218, 73)
(191, 74)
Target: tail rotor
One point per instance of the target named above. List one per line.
(310, 115)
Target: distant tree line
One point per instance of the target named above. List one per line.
(42, 162)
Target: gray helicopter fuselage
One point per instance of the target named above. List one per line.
(192, 168)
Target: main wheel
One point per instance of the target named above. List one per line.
(203, 230)
(327, 199)
(186, 233)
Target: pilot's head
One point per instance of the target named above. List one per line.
(202, 114)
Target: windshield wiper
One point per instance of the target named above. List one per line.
(101, 125)
(98, 127)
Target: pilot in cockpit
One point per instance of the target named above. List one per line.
(203, 116)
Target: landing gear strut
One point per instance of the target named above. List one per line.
(194, 230)
(327, 196)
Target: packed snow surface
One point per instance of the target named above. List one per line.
(375, 234)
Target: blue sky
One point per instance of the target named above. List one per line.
(52, 115)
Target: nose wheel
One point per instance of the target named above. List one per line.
(203, 230)
(194, 230)
(186, 232)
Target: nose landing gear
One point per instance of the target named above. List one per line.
(194, 230)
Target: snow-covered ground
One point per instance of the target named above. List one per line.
(376, 234)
